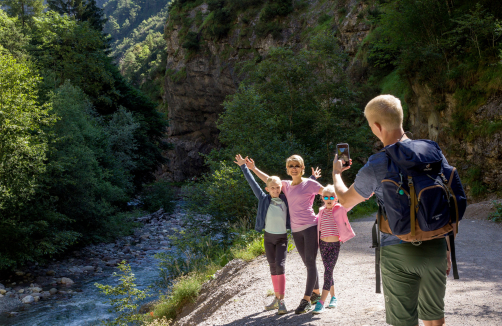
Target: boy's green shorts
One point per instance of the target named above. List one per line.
(414, 281)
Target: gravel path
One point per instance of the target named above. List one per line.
(476, 299)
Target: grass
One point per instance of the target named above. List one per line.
(186, 288)
(363, 209)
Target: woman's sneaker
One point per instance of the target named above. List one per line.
(319, 308)
(304, 307)
(273, 306)
(314, 298)
(333, 303)
(282, 308)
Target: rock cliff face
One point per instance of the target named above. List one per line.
(202, 82)
(484, 152)
(198, 84)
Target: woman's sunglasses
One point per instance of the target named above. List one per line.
(326, 198)
(294, 166)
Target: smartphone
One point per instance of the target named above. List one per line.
(343, 153)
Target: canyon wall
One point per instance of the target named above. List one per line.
(196, 94)
(197, 84)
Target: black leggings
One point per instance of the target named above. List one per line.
(306, 243)
(276, 248)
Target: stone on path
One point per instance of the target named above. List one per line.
(2, 287)
(88, 269)
(2, 291)
(50, 273)
(53, 291)
(28, 299)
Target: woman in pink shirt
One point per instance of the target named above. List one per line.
(301, 193)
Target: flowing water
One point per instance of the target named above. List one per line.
(85, 308)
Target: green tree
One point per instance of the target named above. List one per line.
(25, 10)
(22, 140)
(28, 232)
(90, 161)
(11, 38)
(81, 10)
(66, 49)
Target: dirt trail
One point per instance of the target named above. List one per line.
(476, 299)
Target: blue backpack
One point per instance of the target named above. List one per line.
(423, 197)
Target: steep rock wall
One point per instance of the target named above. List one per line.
(197, 87)
(483, 152)
(198, 84)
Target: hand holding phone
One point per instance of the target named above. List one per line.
(343, 153)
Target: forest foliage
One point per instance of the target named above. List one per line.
(77, 142)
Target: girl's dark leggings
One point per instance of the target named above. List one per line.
(329, 254)
(276, 248)
(306, 243)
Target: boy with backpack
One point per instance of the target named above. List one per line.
(421, 201)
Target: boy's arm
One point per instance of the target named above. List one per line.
(241, 162)
(250, 164)
(258, 192)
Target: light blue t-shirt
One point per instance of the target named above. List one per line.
(275, 221)
(368, 181)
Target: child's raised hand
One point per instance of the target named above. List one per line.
(250, 163)
(239, 160)
(316, 173)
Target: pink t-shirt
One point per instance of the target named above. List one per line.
(300, 198)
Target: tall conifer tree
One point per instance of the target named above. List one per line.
(23, 9)
(81, 10)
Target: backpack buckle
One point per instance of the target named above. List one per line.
(410, 182)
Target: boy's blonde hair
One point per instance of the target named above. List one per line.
(329, 189)
(272, 179)
(298, 159)
(385, 110)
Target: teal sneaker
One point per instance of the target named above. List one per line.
(333, 303)
(282, 308)
(319, 308)
(273, 306)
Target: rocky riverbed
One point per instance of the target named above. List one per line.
(64, 280)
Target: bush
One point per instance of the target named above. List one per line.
(497, 215)
(191, 42)
(158, 195)
(124, 297)
(276, 8)
(224, 194)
